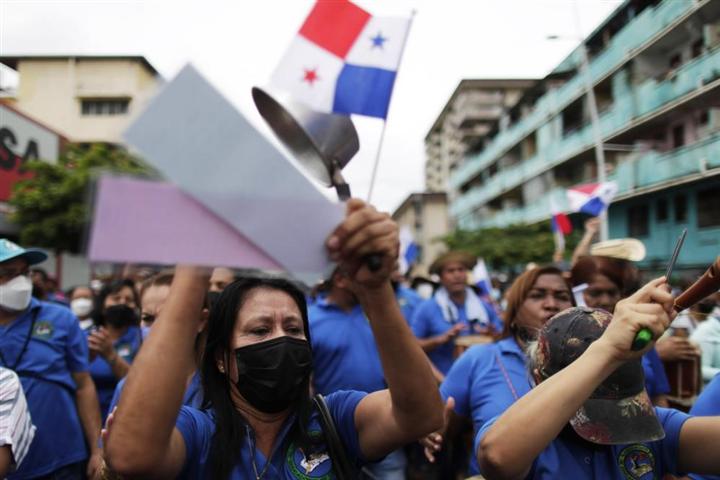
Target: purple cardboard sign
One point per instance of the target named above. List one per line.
(139, 221)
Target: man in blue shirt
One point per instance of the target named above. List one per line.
(345, 356)
(590, 416)
(44, 345)
(455, 309)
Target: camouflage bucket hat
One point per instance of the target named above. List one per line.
(619, 411)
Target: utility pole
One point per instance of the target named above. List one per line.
(594, 117)
(597, 134)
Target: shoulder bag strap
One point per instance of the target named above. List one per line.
(340, 463)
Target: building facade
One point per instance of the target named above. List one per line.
(86, 98)
(462, 127)
(655, 70)
(426, 215)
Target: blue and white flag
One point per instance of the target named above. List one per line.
(481, 277)
(409, 250)
(344, 60)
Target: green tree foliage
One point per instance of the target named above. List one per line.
(511, 247)
(52, 208)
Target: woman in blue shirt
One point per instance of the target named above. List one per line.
(590, 417)
(487, 379)
(115, 339)
(261, 422)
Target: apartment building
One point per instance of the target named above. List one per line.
(655, 70)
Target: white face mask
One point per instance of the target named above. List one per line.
(16, 294)
(81, 307)
(425, 290)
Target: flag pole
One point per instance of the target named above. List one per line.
(378, 152)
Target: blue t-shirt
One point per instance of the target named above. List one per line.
(708, 405)
(656, 381)
(57, 348)
(408, 300)
(428, 321)
(126, 347)
(481, 388)
(288, 461)
(564, 458)
(345, 356)
(193, 396)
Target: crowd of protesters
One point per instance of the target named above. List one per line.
(214, 373)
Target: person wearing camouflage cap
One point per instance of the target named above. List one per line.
(589, 415)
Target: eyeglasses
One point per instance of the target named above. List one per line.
(7, 273)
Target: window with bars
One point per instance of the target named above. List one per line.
(104, 106)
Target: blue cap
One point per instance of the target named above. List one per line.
(10, 250)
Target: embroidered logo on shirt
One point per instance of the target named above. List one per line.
(311, 467)
(43, 330)
(310, 463)
(637, 462)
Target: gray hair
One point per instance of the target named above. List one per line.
(531, 352)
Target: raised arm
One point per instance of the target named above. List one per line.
(592, 225)
(411, 407)
(143, 440)
(700, 446)
(508, 449)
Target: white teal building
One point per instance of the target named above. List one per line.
(655, 70)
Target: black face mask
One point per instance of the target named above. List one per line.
(271, 374)
(118, 316)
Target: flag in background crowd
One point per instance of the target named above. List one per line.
(561, 226)
(408, 250)
(591, 198)
(481, 277)
(343, 60)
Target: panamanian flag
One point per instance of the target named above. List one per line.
(561, 226)
(591, 198)
(344, 60)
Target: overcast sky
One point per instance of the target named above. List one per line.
(236, 44)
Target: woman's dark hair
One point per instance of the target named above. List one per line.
(230, 426)
(519, 290)
(620, 272)
(111, 288)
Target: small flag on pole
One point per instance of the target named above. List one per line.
(561, 223)
(561, 226)
(591, 198)
(481, 277)
(343, 60)
(409, 250)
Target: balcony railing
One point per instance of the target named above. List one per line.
(644, 100)
(632, 37)
(646, 171)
